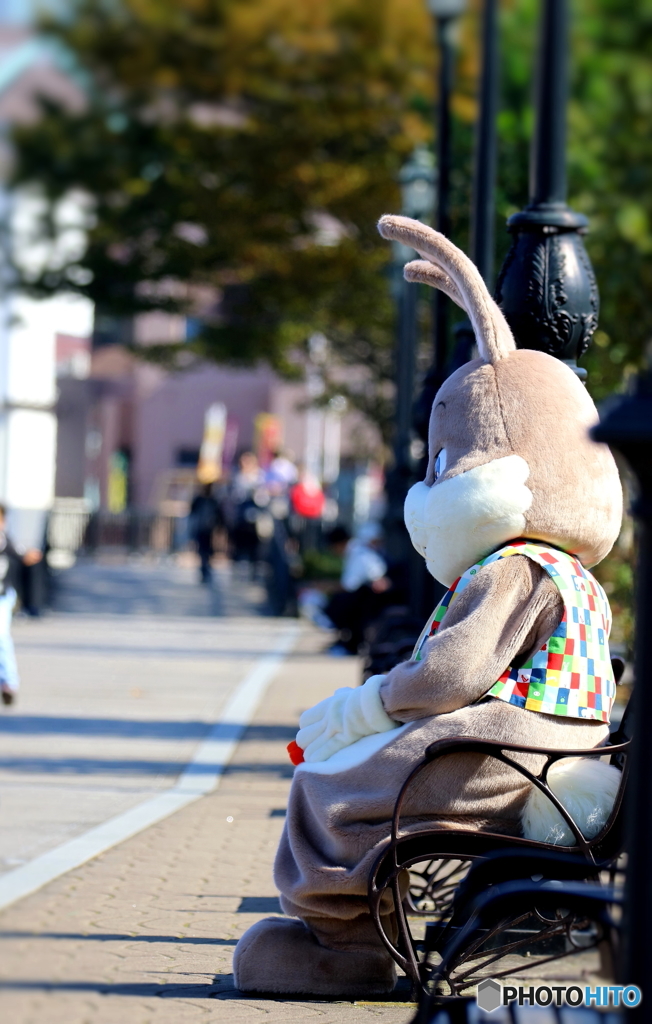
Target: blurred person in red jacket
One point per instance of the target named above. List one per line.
(307, 496)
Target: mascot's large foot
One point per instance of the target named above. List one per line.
(282, 955)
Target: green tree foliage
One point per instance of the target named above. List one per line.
(610, 179)
(611, 176)
(240, 151)
(245, 148)
(609, 162)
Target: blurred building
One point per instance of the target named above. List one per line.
(82, 418)
(28, 328)
(122, 418)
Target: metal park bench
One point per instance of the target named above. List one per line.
(595, 907)
(427, 874)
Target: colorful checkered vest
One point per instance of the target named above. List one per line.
(571, 674)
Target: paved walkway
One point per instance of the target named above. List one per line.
(142, 585)
(113, 709)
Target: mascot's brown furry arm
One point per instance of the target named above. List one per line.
(516, 505)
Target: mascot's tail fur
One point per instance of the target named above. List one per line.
(586, 787)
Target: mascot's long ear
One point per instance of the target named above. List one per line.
(446, 267)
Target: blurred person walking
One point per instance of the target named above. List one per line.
(205, 516)
(282, 473)
(34, 583)
(282, 549)
(247, 495)
(11, 571)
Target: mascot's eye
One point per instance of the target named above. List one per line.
(440, 463)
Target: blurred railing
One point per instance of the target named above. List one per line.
(131, 531)
(73, 529)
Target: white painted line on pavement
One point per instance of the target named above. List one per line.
(200, 777)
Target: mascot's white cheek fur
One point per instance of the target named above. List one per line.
(459, 521)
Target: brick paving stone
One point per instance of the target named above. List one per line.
(111, 710)
(145, 932)
(146, 584)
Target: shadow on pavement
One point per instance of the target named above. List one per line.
(134, 587)
(222, 987)
(134, 728)
(118, 766)
(117, 937)
(166, 991)
(259, 905)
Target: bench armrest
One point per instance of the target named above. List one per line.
(500, 752)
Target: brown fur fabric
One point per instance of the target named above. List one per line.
(516, 403)
(454, 273)
(509, 403)
(530, 404)
(281, 956)
(336, 824)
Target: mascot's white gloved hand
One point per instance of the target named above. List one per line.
(340, 720)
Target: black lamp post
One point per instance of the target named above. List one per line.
(445, 15)
(627, 427)
(483, 206)
(484, 176)
(546, 287)
(417, 179)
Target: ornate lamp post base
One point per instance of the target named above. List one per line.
(547, 289)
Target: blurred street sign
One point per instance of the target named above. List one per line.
(209, 467)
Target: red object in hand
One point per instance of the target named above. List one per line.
(295, 752)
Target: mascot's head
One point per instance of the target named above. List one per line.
(509, 448)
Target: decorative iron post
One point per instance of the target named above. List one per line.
(546, 287)
(445, 15)
(626, 427)
(417, 179)
(483, 204)
(484, 177)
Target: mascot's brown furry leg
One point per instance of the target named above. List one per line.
(282, 955)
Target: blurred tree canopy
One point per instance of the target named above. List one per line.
(242, 150)
(238, 154)
(609, 162)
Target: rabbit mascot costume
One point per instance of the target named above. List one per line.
(517, 503)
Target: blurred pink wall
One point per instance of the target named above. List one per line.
(156, 415)
(169, 415)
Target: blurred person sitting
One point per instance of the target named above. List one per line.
(11, 570)
(366, 587)
(205, 516)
